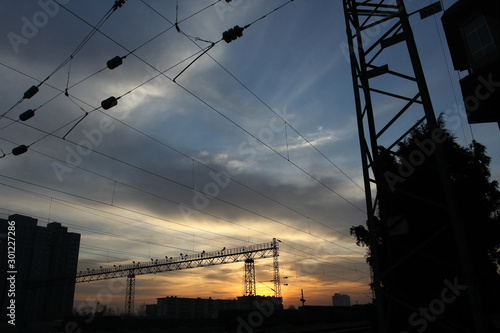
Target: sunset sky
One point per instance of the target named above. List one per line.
(273, 110)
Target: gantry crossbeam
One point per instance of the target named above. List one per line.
(204, 259)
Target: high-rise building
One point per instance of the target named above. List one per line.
(341, 300)
(45, 258)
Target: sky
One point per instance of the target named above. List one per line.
(255, 140)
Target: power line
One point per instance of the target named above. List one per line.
(137, 212)
(277, 152)
(261, 215)
(287, 243)
(214, 109)
(258, 98)
(234, 223)
(449, 76)
(220, 113)
(34, 89)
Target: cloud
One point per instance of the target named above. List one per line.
(154, 184)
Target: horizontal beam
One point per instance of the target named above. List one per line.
(224, 256)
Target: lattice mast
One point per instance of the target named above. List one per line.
(276, 269)
(130, 295)
(370, 60)
(250, 288)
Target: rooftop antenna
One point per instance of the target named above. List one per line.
(302, 299)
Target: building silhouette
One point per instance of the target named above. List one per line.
(44, 259)
(191, 308)
(341, 300)
(472, 30)
(174, 307)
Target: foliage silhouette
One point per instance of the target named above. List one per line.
(415, 239)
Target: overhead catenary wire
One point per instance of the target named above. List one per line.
(94, 29)
(187, 207)
(236, 124)
(34, 89)
(450, 78)
(83, 208)
(191, 208)
(129, 210)
(179, 152)
(274, 220)
(307, 255)
(210, 196)
(287, 124)
(72, 98)
(315, 250)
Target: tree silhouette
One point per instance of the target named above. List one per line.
(418, 251)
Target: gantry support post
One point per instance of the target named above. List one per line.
(250, 288)
(276, 269)
(130, 295)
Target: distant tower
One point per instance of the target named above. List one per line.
(250, 289)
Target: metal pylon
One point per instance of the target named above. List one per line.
(276, 270)
(376, 30)
(250, 289)
(130, 295)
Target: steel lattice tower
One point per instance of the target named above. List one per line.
(130, 295)
(250, 289)
(276, 270)
(376, 29)
(204, 259)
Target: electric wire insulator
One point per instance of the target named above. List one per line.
(31, 92)
(115, 62)
(232, 34)
(27, 115)
(19, 150)
(119, 3)
(109, 103)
